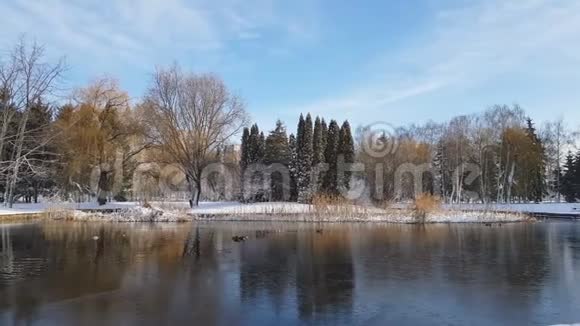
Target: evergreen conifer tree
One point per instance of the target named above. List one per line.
(276, 146)
(318, 149)
(568, 179)
(576, 177)
(253, 145)
(293, 167)
(244, 149)
(345, 152)
(255, 155)
(317, 143)
(277, 151)
(331, 156)
(536, 164)
(305, 160)
(299, 132)
(324, 137)
(261, 148)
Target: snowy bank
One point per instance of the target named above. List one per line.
(550, 208)
(39, 208)
(282, 211)
(133, 214)
(271, 211)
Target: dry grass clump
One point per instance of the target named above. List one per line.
(168, 205)
(325, 205)
(425, 204)
(56, 209)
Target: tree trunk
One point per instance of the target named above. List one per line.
(18, 155)
(510, 183)
(195, 190)
(103, 185)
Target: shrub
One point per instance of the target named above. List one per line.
(336, 206)
(425, 204)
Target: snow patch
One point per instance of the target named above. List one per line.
(133, 214)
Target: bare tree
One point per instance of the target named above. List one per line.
(190, 116)
(8, 73)
(556, 138)
(26, 80)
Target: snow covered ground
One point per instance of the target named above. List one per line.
(283, 211)
(132, 214)
(224, 208)
(561, 208)
(20, 208)
(179, 211)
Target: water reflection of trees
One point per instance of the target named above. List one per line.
(267, 267)
(325, 275)
(135, 271)
(513, 254)
(181, 273)
(315, 267)
(504, 267)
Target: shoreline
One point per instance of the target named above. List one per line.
(269, 212)
(152, 215)
(362, 220)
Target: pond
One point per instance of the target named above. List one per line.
(59, 273)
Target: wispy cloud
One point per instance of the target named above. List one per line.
(466, 47)
(140, 32)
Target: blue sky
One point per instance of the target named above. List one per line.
(395, 61)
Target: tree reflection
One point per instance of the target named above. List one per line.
(267, 268)
(69, 273)
(325, 274)
(88, 265)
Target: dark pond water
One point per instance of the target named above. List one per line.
(286, 274)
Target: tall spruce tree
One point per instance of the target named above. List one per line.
(255, 155)
(324, 133)
(536, 166)
(253, 145)
(317, 143)
(305, 160)
(300, 131)
(293, 167)
(277, 151)
(244, 149)
(345, 153)
(261, 148)
(318, 148)
(568, 179)
(576, 177)
(330, 185)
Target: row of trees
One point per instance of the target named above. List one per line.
(94, 143)
(91, 146)
(495, 156)
(300, 166)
